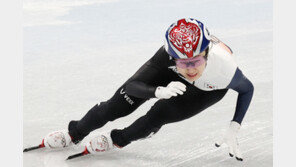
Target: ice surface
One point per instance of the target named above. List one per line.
(77, 53)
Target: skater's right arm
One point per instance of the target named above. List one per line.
(140, 89)
(150, 79)
(144, 82)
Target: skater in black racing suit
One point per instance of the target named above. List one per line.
(186, 81)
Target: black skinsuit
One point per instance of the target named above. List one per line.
(134, 92)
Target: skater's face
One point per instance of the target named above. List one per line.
(193, 68)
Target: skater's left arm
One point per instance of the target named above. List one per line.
(245, 90)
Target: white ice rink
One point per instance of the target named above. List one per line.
(78, 52)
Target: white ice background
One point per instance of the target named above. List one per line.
(78, 52)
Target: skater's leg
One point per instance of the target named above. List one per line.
(167, 111)
(118, 106)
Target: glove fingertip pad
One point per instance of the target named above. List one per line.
(239, 159)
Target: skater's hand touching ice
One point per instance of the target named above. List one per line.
(230, 140)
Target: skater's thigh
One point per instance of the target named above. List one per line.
(192, 102)
(121, 104)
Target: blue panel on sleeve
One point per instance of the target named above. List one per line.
(245, 90)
